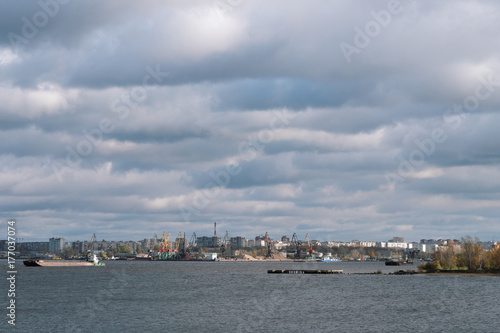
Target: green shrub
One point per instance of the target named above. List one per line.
(430, 267)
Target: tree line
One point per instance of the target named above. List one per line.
(469, 255)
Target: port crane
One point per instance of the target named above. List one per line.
(296, 244)
(309, 248)
(184, 244)
(192, 241)
(309, 244)
(168, 250)
(269, 253)
(155, 240)
(92, 243)
(180, 243)
(153, 244)
(164, 251)
(226, 245)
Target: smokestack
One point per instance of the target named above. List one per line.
(215, 229)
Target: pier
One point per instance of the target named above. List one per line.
(305, 271)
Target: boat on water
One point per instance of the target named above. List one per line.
(328, 258)
(92, 260)
(398, 263)
(142, 256)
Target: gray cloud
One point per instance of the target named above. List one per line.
(232, 76)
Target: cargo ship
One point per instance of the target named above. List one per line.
(91, 261)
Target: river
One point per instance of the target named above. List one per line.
(171, 297)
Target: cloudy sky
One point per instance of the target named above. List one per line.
(341, 119)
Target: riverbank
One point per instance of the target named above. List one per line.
(445, 273)
(457, 272)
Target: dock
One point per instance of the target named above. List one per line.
(305, 271)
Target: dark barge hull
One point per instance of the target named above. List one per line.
(398, 263)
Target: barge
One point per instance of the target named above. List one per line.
(398, 263)
(91, 261)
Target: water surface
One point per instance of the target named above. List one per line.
(242, 297)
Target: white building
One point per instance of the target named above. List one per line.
(421, 247)
(394, 245)
(256, 243)
(279, 245)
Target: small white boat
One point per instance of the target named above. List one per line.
(328, 259)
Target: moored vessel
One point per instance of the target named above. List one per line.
(398, 263)
(92, 260)
(328, 258)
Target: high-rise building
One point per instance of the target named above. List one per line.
(205, 241)
(238, 242)
(56, 244)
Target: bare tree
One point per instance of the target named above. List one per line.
(446, 257)
(355, 254)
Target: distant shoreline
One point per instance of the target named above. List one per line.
(462, 273)
(442, 273)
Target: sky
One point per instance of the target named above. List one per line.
(338, 119)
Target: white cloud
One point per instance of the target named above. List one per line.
(186, 36)
(7, 56)
(46, 99)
